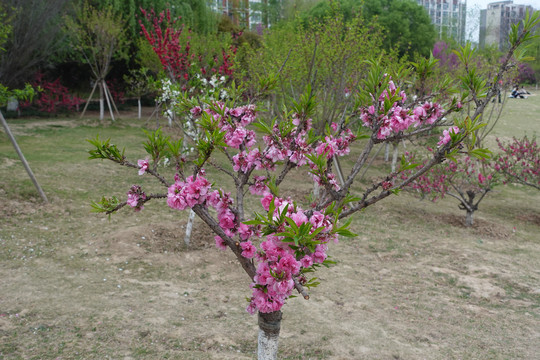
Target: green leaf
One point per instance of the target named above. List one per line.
(292, 224)
(346, 233)
(481, 153)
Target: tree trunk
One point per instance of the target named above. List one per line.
(140, 110)
(101, 102)
(386, 152)
(189, 227)
(394, 156)
(469, 218)
(269, 326)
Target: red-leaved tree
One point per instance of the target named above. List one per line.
(52, 96)
(170, 40)
(165, 36)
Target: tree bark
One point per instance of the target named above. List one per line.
(101, 102)
(189, 227)
(140, 109)
(469, 221)
(395, 155)
(108, 97)
(269, 327)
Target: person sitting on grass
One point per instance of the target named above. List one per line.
(516, 93)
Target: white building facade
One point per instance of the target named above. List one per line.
(448, 16)
(497, 20)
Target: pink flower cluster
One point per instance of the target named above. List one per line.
(467, 175)
(279, 264)
(136, 198)
(183, 194)
(197, 191)
(399, 118)
(519, 162)
(446, 136)
(279, 147)
(143, 166)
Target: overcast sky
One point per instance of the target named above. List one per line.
(473, 14)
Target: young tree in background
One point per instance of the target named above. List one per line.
(407, 25)
(519, 162)
(35, 37)
(98, 35)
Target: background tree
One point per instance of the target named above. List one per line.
(5, 96)
(329, 56)
(534, 51)
(139, 83)
(195, 14)
(465, 179)
(98, 36)
(519, 162)
(34, 39)
(407, 25)
(5, 27)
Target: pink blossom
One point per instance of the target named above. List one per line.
(132, 199)
(237, 112)
(136, 198)
(306, 261)
(251, 308)
(175, 199)
(196, 111)
(220, 243)
(226, 219)
(289, 265)
(320, 254)
(446, 136)
(481, 178)
(143, 166)
(235, 138)
(259, 187)
(317, 219)
(266, 200)
(299, 218)
(245, 231)
(249, 249)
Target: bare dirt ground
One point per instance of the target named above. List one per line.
(414, 284)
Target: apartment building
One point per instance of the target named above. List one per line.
(496, 22)
(448, 16)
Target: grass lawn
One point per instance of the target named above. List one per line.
(414, 284)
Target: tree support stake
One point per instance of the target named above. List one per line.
(23, 159)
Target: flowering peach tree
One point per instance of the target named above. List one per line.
(519, 162)
(280, 241)
(465, 179)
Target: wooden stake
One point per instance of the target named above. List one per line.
(111, 97)
(88, 101)
(104, 86)
(23, 159)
